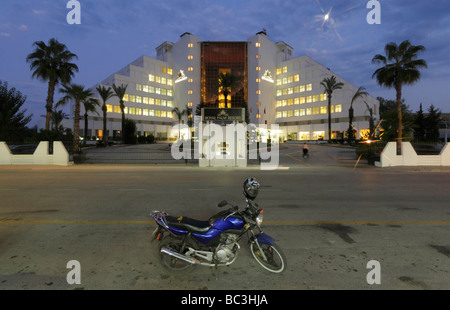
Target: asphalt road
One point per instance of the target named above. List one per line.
(330, 219)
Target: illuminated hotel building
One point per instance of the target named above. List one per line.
(278, 89)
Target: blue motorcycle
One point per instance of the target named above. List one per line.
(185, 242)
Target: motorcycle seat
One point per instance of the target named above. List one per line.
(189, 224)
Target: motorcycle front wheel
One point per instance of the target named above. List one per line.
(273, 259)
(170, 263)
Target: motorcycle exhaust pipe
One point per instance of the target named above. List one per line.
(180, 256)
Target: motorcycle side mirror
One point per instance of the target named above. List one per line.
(222, 204)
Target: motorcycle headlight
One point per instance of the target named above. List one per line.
(259, 218)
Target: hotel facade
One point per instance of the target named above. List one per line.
(276, 87)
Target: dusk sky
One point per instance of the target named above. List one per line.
(113, 33)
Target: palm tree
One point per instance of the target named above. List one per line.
(90, 105)
(227, 82)
(179, 115)
(105, 94)
(330, 85)
(400, 66)
(359, 94)
(52, 63)
(76, 93)
(119, 91)
(56, 118)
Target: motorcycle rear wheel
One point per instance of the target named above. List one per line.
(275, 259)
(170, 263)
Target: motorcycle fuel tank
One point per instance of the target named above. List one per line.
(230, 222)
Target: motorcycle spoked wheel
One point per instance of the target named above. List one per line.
(276, 260)
(170, 263)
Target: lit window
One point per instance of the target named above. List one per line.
(315, 98)
(170, 103)
(285, 92)
(309, 87)
(323, 97)
(157, 101)
(323, 110)
(145, 88)
(169, 93)
(109, 108)
(297, 112)
(285, 80)
(284, 114)
(158, 79)
(132, 98)
(163, 91)
(132, 111)
(169, 71)
(297, 101)
(290, 113)
(338, 108)
(169, 82)
(151, 101)
(169, 114)
(258, 92)
(278, 104)
(257, 44)
(191, 69)
(158, 113)
(125, 97)
(302, 100)
(290, 79)
(258, 68)
(258, 115)
(279, 92)
(145, 112)
(117, 109)
(190, 80)
(258, 56)
(163, 81)
(189, 104)
(138, 87)
(290, 91)
(158, 90)
(190, 92)
(279, 70)
(279, 81)
(302, 112)
(309, 99)
(308, 111)
(258, 80)
(138, 99)
(278, 115)
(302, 88)
(190, 45)
(151, 77)
(163, 69)
(284, 103)
(145, 100)
(285, 69)
(151, 112)
(316, 110)
(296, 78)
(138, 111)
(290, 101)
(151, 89)
(190, 57)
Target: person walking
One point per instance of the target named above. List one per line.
(305, 150)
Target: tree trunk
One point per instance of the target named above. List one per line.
(104, 121)
(76, 128)
(122, 107)
(398, 88)
(329, 117)
(85, 126)
(49, 105)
